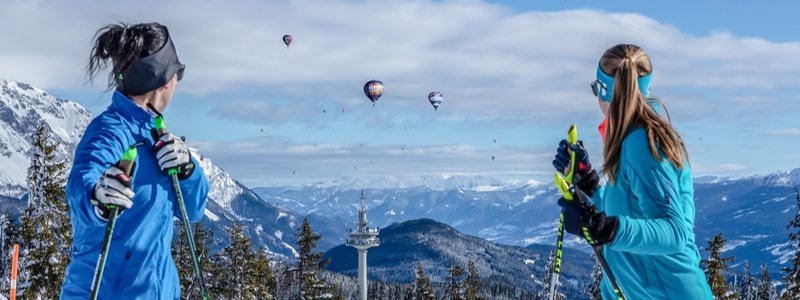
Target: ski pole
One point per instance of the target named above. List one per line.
(572, 138)
(161, 130)
(126, 165)
(563, 185)
(14, 259)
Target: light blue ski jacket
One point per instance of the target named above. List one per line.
(653, 255)
(139, 264)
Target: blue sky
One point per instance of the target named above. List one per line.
(512, 71)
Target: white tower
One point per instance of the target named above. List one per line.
(362, 239)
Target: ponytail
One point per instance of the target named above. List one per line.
(629, 108)
(123, 44)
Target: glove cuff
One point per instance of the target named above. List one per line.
(588, 182)
(186, 170)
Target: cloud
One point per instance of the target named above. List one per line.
(488, 60)
(719, 169)
(788, 132)
(267, 161)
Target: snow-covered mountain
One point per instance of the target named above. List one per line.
(23, 107)
(752, 212)
(436, 246)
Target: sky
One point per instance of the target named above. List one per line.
(514, 75)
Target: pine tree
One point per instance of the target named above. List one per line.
(747, 286)
(473, 282)
(12, 234)
(47, 232)
(455, 290)
(792, 274)
(237, 270)
(544, 293)
(765, 289)
(422, 286)
(203, 237)
(715, 267)
(597, 276)
(310, 263)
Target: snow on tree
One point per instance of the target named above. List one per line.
(715, 267)
(747, 286)
(593, 290)
(544, 293)
(309, 264)
(238, 272)
(791, 275)
(765, 291)
(455, 290)
(190, 288)
(422, 286)
(46, 230)
(473, 282)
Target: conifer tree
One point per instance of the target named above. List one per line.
(747, 286)
(544, 293)
(791, 277)
(310, 263)
(473, 284)
(237, 270)
(597, 276)
(203, 237)
(455, 290)
(422, 286)
(715, 267)
(46, 230)
(765, 289)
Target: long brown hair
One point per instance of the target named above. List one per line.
(629, 109)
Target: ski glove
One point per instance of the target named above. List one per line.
(584, 177)
(112, 189)
(582, 218)
(171, 152)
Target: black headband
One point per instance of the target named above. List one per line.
(151, 72)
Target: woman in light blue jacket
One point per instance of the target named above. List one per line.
(644, 215)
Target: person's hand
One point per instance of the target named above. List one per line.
(584, 177)
(171, 152)
(582, 218)
(113, 189)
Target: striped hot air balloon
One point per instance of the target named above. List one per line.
(373, 89)
(436, 99)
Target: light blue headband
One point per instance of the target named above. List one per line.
(606, 82)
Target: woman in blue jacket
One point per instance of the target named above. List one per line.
(644, 215)
(145, 73)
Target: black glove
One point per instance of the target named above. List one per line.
(584, 176)
(582, 218)
(171, 152)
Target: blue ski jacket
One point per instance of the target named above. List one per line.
(139, 263)
(653, 255)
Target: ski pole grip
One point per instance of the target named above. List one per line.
(126, 163)
(160, 126)
(572, 139)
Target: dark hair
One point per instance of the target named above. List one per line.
(629, 108)
(123, 44)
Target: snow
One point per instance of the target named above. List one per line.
(529, 261)
(279, 234)
(733, 244)
(281, 215)
(784, 252)
(390, 213)
(211, 216)
(294, 252)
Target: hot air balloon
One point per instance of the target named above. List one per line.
(492, 157)
(373, 89)
(287, 39)
(436, 99)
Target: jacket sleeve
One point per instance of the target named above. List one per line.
(663, 228)
(195, 193)
(98, 150)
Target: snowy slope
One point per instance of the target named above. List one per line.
(22, 108)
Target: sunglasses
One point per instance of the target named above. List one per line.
(598, 87)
